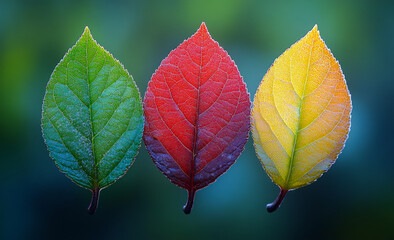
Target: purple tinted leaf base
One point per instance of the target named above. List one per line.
(278, 201)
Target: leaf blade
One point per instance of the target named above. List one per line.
(197, 113)
(301, 114)
(88, 109)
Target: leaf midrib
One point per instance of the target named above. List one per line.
(291, 162)
(193, 170)
(90, 114)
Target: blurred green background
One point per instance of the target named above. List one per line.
(354, 200)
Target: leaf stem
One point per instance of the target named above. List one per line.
(94, 202)
(189, 204)
(278, 201)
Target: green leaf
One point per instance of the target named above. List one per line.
(92, 119)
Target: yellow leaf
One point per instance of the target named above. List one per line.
(301, 115)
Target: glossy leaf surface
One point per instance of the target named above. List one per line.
(197, 112)
(301, 115)
(92, 119)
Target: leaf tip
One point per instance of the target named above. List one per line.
(87, 30)
(315, 31)
(203, 28)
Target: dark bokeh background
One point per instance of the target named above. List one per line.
(354, 200)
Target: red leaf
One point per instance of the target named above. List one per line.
(197, 112)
